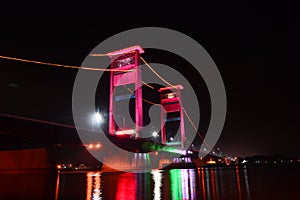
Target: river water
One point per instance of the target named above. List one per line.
(212, 183)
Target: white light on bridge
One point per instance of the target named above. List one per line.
(98, 117)
(154, 134)
(126, 132)
(189, 152)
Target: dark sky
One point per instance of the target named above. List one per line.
(254, 45)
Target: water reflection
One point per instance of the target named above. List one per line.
(133, 186)
(223, 183)
(93, 186)
(177, 184)
(204, 183)
(157, 178)
(213, 185)
(247, 183)
(57, 186)
(238, 182)
(182, 183)
(126, 186)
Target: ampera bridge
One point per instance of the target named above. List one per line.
(167, 146)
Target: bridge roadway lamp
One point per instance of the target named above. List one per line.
(96, 119)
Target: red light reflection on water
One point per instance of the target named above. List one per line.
(202, 183)
(238, 180)
(213, 184)
(57, 186)
(126, 188)
(223, 183)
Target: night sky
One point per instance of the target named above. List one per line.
(254, 45)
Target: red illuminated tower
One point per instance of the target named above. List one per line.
(170, 98)
(126, 59)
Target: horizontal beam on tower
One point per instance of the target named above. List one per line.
(124, 97)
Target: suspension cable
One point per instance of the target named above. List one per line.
(161, 78)
(60, 65)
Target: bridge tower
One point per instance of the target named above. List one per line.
(170, 98)
(126, 59)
